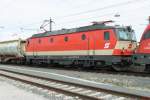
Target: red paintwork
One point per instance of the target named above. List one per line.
(144, 46)
(94, 40)
(125, 52)
(117, 52)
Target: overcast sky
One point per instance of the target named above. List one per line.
(22, 18)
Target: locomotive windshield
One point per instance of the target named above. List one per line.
(126, 35)
(146, 35)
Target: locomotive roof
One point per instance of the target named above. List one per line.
(9, 41)
(79, 29)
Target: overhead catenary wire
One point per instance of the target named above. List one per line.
(91, 11)
(102, 15)
(100, 9)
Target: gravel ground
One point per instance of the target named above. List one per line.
(11, 92)
(15, 90)
(132, 82)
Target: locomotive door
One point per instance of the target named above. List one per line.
(34, 48)
(91, 45)
(106, 37)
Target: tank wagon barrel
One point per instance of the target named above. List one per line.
(12, 49)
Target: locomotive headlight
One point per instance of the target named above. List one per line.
(123, 50)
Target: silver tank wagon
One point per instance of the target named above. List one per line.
(12, 49)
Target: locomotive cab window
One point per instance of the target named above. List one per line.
(106, 35)
(125, 35)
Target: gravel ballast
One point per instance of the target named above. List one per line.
(132, 82)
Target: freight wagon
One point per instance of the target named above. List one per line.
(12, 51)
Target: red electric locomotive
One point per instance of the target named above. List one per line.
(142, 56)
(89, 46)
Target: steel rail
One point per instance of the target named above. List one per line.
(84, 97)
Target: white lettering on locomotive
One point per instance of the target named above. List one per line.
(107, 45)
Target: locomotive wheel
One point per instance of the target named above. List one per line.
(137, 68)
(119, 67)
(147, 69)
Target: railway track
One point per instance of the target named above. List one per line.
(103, 71)
(83, 89)
(110, 72)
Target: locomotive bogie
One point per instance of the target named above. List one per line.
(141, 59)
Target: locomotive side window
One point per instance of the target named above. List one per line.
(66, 39)
(51, 40)
(106, 35)
(147, 35)
(83, 36)
(39, 41)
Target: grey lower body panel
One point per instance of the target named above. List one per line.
(142, 59)
(96, 58)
